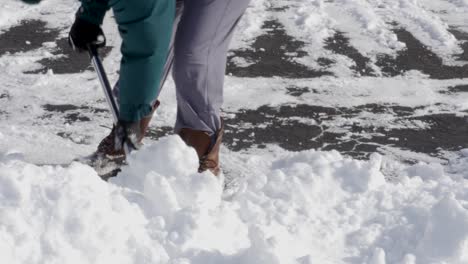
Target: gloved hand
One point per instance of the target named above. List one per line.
(84, 33)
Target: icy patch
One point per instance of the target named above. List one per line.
(300, 207)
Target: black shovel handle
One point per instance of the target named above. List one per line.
(97, 63)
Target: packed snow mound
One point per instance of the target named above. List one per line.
(305, 207)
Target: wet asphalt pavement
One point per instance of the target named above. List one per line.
(272, 55)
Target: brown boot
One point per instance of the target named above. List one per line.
(201, 141)
(107, 146)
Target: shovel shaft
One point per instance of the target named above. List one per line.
(97, 64)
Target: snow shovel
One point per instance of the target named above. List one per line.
(99, 68)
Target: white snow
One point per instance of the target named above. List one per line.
(305, 207)
(250, 25)
(369, 25)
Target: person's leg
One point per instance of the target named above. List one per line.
(201, 46)
(170, 54)
(145, 27)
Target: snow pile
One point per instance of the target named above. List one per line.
(56, 215)
(306, 207)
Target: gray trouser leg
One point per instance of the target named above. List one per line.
(201, 46)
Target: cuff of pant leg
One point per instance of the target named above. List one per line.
(133, 113)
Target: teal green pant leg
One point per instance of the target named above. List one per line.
(145, 27)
